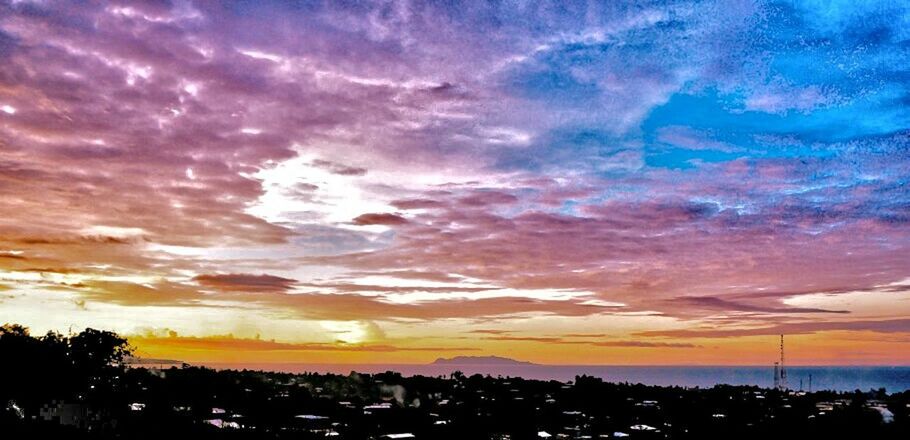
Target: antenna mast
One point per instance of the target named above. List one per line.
(777, 375)
(782, 384)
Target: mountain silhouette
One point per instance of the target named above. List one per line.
(479, 360)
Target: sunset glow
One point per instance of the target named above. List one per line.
(395, 182)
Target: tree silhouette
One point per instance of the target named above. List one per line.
(37, 370)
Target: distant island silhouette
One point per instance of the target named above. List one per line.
(480, 360)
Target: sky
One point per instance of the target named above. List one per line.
(392, 182)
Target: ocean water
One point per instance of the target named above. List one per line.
(838, 378)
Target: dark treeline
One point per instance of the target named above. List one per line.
(81, 366)
(78, 386)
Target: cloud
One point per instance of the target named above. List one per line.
(593, 343)
(354, 287)
(545, 339)
(75, 240)
(725, 305)
(644, 344)
(240, 282)
(368, 307)
(878, 326)
(487, 198)
(490, 331)
(686, 137)
(336, 168)
(802, 100)
(229, 343)
(412, 275)
(379, 219)
(162, 293)
(416, 204)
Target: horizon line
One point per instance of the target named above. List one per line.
(534, 364)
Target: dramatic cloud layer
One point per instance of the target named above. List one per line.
(497, 177)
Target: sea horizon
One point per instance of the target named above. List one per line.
(842, 378)
(206, 363)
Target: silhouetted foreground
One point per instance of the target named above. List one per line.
(77, 386)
